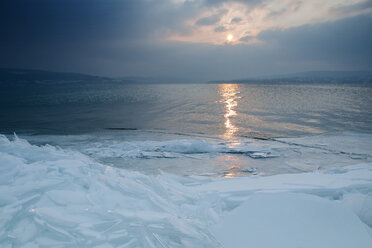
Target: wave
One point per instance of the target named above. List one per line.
(57, 197)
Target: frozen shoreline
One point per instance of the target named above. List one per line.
(151, 152)
(57, 197)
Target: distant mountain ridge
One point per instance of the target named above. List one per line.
(21, 76)
(10, 75)
(345, 77)
(26, 76)
(328, 74)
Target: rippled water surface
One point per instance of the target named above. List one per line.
(226, 110)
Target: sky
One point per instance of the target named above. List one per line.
(186, 40)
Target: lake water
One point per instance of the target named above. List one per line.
(227, 110)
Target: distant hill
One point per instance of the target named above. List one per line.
(10, 76)
(39, 76)
(311, 77)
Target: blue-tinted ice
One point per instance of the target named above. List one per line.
(68, 197)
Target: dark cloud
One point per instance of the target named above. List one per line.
(219, 2)
(246, 38)
(346, 42)
(211, 20)
(84, 35)
(207, 21)
(41, 19)
(220, 29)
(236, 20)
(124, 38)
(276, 14)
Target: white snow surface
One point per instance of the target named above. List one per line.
(54, 197)
(292, 220)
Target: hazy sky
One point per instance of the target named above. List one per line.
(186, 40)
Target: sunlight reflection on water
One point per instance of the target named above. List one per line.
(230, 96)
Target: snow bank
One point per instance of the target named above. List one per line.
(51, 197)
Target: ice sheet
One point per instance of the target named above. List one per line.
(54, 197)
(291, 221)
(153, 151)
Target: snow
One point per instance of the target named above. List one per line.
(58, 197)
(292, 220)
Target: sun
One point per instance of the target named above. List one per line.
(229, 37)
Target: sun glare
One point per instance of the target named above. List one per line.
(230, 95)
(229, 37)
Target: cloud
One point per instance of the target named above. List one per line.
(208, 21)
(211, 20)
(220, 2)
(236, 20)
(246, 38)
(345, 42)
(220, 29)
(276, 14)
(132, 37)
(350, 9)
